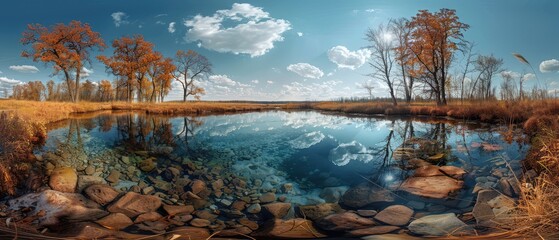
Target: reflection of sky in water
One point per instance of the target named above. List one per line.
(306, 146)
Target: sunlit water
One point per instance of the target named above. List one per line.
(307, 149)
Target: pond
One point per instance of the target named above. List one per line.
(302, 157)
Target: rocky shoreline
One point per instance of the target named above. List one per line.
(157, 194)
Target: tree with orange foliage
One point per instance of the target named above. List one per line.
(105, 91)
(130, 61)
(434, 39)
(191, 66)
(67, 47)
(160, 70)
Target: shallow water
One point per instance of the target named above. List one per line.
(309, 150)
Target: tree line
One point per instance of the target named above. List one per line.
(415, 55)
(141, 73)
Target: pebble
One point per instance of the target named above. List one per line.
(198, 222)
(254, 208)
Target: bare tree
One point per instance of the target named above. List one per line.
(487, 67)
(368, 86)
(468, 54)
(191, 66)
(401, 30)
(382, 59)
(508, 86)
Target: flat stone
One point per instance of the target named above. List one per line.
(197, 186)
(277, 210)
(188, 233)
(431, 187)
(333, 194)
(150, 216)
(178, 209)
(267, 197)
(133, 204)
(250, 224)
(453, 172)
(90, 230)
(198, 222)
(53, 206)
(101, 193)
(427, 171)
(373, 230)
(64, 180)
(344, 222)
(364, 195)
(297, 228)
(416, 163)
(85, 181)
(116, 221)
(440, 225)
(315, 212)
(114, 176)
(366, 213)
(395, 215)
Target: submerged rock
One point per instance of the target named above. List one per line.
(363, 195)
(373, 230)
(453, 172)
(344, 221)
(297, 228)
(254, 208)
(133, 204)
(431, 187)
(267, 197)
(116, 221)
(396, 215)
(101, 193)
(493, 208)
(55, 206)
(315, 212)
(64, 179)
(440, 225)
(277, 210)
(188, 233)
(85, 181)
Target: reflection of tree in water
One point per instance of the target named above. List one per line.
(105, 122)
(142, 132)
(187, 132)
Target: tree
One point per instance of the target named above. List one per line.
(50, 91)
(382, 60)
(436, 36)
(487, 66)
(105, 91)
(369, 88)
(130, 60)
(88, 90)
(191, 66)
(160, 70)
(401, 30)
(469, 55)
(67, 47)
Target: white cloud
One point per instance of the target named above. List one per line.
(171, 27)
(270, 82)
(371, 10)
(314, 91)
(255, 81)
(344, 58)
(86, 72)
(119, 18)
(551, 65)
(222, 80)
(306, 70)
(529, 76)
(10, 81)
(160, 22)
(300, 34)
(516, 75)
(254, 34)
(24, 68)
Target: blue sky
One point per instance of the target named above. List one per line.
(281, 50)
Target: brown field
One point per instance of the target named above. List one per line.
(538, 211)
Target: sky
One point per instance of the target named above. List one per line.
(281, 50)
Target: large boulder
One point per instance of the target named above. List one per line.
(440, 225)
(55, 206)
(101, 193)
(431, 187)
(133, 204)
(297, 228)
(344, 222)
(364, 195)
(493, 208)
(396, 215)
(277, 210)
(64, 179)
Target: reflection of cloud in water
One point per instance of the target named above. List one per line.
(346, 152)
(307, 140)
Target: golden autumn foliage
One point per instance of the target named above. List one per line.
(66, 47)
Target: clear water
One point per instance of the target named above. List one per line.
(310, 150)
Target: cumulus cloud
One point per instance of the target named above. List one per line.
(270, 82)
(516, 75)
(86, 72)
(551, 65)
(529, 76)
(222, 80)
(314, 91)
(171, 27)
(9, 81)
(345, 58)
(24, 68)
(254, 31)
(255, 81)
(306, 70)
(119, 18)
(300, 34)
